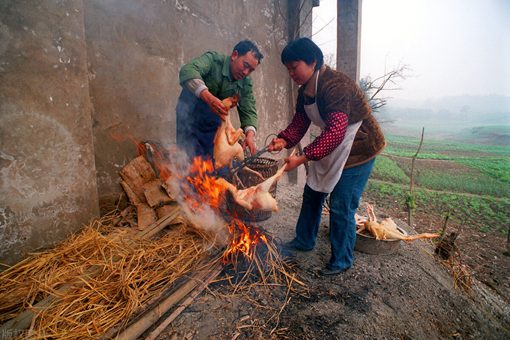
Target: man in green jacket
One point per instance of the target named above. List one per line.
(207, 80)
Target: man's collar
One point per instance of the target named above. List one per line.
(226, 68)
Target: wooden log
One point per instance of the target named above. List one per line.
(146, 216)
(168, 191)
(132, 196)
(162, 223)
(215, 272)
(136, 329)
(155, 194)
(136, 173)
(165, 210)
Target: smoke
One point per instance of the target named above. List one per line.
(204, 217)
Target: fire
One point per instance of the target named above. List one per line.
(244, 240)
(209, 189)
(203, 189)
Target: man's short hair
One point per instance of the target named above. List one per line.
(246, 46)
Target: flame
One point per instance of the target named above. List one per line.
(203, 189)
(209, 189)
(244, 240)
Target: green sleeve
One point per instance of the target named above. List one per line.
(246, 106)
(197, 68)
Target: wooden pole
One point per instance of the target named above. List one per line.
(184, 304)
(136, 329)
(411, 202)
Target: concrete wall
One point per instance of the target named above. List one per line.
(81, 80)
(135, 50)
(47, 172)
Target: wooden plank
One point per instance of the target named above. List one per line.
(165, 210)
(133, 198)
(155, 194)
(136, 173)
(161, 327)
(136, 329)
(146, 216)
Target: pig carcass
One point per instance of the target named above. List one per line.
(226, 146)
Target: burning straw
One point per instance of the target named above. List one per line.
(254, 256)
(113, 271)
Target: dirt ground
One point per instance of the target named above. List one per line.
(407, 294)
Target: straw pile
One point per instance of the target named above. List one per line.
(111, 273)
(97, 281)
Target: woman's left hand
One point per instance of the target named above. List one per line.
(249, 142)
(295, 161)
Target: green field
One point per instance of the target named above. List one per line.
(469, 180)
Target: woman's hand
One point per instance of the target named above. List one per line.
(249, 142)
(277, 144)
(295, 161)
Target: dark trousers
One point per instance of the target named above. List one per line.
(344, 201)
(196, 126)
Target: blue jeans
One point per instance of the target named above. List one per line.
(343, 203)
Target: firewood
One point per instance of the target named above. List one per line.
(136, 173)
(165, 210)
(168, 191)
(146, 216)
(155, 195)
(133, 198)
(136, 329)
(214, 273)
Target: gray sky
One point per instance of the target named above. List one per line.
(454, 47)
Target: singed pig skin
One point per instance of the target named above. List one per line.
(226, 147)
(258, 197)
(387, 228)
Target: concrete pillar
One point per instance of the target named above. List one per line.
(349, 37)
(47, 172)
(300, 25)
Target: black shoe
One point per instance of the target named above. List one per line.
(330, 272)
(295, 246)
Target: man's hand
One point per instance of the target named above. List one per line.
(294, 161)
(214, 103)
(249, 142)
(277, 144)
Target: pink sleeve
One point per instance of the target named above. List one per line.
(330, 138)
(296, 129)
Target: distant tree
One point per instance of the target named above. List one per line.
(374, 88)
(330, 59)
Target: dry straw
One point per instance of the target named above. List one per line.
(113, 273)
(100, 279)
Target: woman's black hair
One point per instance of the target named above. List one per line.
(303, 49)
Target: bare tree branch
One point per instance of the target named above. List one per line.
(387, 82)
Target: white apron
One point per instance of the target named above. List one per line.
(323, 175)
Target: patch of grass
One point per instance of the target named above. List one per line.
(386, 169)
(462, 182)
(479, 212)
(407, 146)
(498, 168)
(471, 181)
